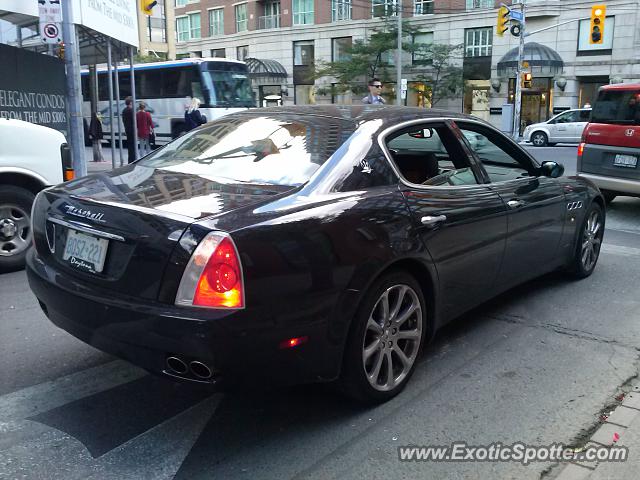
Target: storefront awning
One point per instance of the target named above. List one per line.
(542, 61)
(265, 68)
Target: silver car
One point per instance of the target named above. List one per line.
(566, 127)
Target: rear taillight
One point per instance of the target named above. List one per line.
(213, 277)
(580, 149)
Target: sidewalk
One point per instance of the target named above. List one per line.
(624, 421)
(94, 167)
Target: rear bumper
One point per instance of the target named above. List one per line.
(620, 185)
(240, 350)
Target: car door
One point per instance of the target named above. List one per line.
(535, 204)
(461, 221)
(562, 128)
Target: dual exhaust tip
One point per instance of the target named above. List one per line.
(178, 366)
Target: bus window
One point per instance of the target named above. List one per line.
(150, 82)
(177, 82)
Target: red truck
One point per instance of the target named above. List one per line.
(609, 152)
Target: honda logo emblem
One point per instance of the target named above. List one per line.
(629, 132)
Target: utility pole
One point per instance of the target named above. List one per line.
(520, 70)
(74, 102)
(399, 56)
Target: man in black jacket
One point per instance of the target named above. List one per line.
(128, 119)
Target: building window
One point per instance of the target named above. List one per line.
(422, 7)
(420, 56)
(216, 22)
(182, 28)
(477, 42)
(473, 4)
(218, 53)
(242, 20)
(157, 24)
(181, 3)
(194, 25)
(242, 52)
(303, 53)
(587, 48)
(383, 8)
(302, 12)
(271, 17)
(339, 49)
(340, 10)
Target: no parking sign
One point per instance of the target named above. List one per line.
(50, 14)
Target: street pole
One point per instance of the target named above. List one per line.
(74, 103)
(111, 119)
(518, 100)
(399, 56)
(132, 76)
(117, 83)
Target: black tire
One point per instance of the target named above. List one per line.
(406, 337)
(587, 239)
(609, 196)
(15, 226)
(539, 139)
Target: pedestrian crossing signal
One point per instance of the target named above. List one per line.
(596, 30)
(147, 5)
(527, 80)
(503, 18)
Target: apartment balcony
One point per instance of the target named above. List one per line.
(268, 21)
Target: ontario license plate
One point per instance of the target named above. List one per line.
(628, 161)
(85, 251)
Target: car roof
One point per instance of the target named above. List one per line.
(389, 114)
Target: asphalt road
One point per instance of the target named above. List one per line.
(536, 365)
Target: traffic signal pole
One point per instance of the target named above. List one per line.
(399, 56)
(520, 70)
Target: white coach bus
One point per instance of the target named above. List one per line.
(222, 85)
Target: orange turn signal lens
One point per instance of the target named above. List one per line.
(69, 175)
(293, 342)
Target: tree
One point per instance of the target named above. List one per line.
(367, 59)
(442, 77)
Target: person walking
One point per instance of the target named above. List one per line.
(96, 135)
(145, 127)
(375, 89)
(192, 117)
(127, 120)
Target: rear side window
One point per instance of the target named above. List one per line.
(618, 107)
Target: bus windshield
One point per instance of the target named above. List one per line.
(617, 106)
(227, 88)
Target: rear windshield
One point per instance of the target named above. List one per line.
(274, 149)
(617, 106)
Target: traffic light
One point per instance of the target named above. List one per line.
(61, 51)
(147, 5)
(596, 30)
(527, 80)
(503, 19)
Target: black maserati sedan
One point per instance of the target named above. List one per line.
(304, 244)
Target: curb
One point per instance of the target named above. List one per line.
(610, 432)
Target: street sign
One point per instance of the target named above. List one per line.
(515, 15)
(50, 16)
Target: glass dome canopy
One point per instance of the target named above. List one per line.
(542, 60)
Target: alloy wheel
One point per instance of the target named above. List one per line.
(15, 230)
(591, 241)
(539, 139)
(392, 337)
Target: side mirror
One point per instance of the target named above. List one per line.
(552, 169)
(422, 133)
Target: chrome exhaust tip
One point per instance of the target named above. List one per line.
(177, 365)
(200, 370)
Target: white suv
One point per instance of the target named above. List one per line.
(32, 157)
(566, 127)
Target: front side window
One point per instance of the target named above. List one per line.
(422, 7)
(340, 10)
(478, 42)
(430, 155)
(383, 8)
(501, 160)
(216, 22)
(242, 20)
(302, 12)
(281, 151)
(227, 88)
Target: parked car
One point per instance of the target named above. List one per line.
(566, 127)
(32, 157)
(610, 150)
(304, 244)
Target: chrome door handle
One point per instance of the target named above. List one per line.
(515, 203)
(430, 221)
